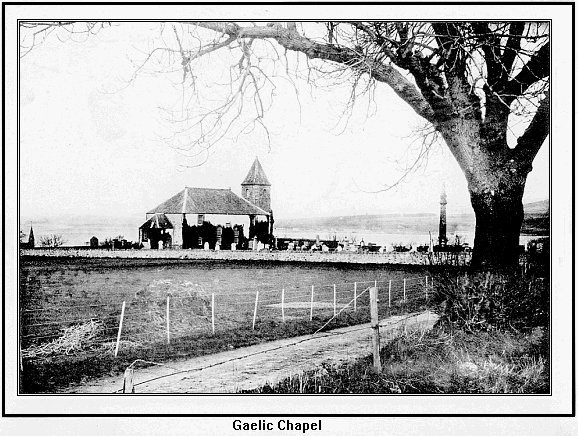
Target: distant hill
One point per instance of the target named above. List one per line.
(537, 208)
(536, 221)
(388, 223)
(536, 218)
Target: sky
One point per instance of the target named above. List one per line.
(93, 140)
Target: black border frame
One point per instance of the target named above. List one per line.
(298, 3)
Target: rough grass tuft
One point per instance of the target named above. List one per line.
(491, 337)
(435, 362)
(486, 301)
(76, 338)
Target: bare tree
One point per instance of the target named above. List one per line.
(52, 241)
(482, 86)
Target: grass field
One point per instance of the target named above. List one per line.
(492, 336)
(70, 310)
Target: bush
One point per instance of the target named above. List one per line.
(486, 301)
(52, 241)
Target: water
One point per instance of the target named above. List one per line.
(385, 238)
(78, 231)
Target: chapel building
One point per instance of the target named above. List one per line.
(213, 218)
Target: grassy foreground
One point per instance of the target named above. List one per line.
(54, 373)
(77, 358)
(491, 337)
(437, 362)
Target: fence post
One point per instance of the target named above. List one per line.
(404, 291)
(355, 297)
(168, 319)
(283, 304)
(375, 327)
(334, 300)
(389, 295)
(311, 312)
(255, 312)
(128, 385)
(119, 328)
(426, 287)
(213, 311)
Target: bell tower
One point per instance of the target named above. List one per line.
(256, 187)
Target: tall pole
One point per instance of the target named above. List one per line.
(283, 304)
(311, 312)
(255, 312)
(119, 329)
(168, 320)
(375, 328)
(334, 300)
(213, 311)
(442, 238)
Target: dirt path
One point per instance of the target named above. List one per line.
(252, 367)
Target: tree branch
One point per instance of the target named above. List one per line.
(490, 47)
(447, 36)
(532, 139)
(536, 69)
(290, 39)
(512, 48)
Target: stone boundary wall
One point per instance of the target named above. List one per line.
(407, 258)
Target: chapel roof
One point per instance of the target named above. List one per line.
(208, 201)
(256, 175)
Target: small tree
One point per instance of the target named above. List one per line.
(52, 241)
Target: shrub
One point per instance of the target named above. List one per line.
(486, 301)
(52, 241)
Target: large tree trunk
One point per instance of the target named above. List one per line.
(496, 179)
(497, 203)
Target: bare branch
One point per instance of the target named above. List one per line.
(531, 141)
(348, 57)
(537, 68)
(513, 45)
(36, 32)
(426, 138)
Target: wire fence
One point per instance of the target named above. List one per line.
(391, 329)
(174, 317)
